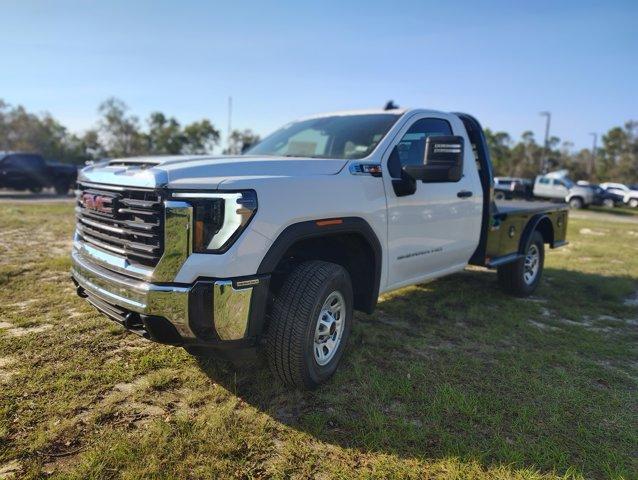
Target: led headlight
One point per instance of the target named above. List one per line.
(219, 218)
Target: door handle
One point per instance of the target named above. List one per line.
(464, 194)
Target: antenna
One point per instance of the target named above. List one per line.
(230, 118)
(390, 105)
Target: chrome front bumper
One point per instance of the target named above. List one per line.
(205, 312)
(224, 315)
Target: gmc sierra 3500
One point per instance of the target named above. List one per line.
(276, 248)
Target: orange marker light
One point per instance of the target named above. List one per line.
(199, 235)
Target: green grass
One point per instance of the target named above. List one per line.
(452, 379)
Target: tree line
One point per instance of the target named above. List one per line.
(615, 160)
(118, 133)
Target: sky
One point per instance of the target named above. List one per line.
(503, 62)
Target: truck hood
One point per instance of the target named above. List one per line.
(203, 171)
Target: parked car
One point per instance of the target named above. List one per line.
(29, 171)
(628, 193)
(606, 198)
(507, 188)
(557, 186)
(276, 248)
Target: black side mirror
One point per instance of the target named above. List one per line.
(442, 160)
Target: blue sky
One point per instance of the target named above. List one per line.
(501, 61)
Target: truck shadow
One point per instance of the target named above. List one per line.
(456, 369)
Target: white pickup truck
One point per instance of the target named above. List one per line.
(276, 248)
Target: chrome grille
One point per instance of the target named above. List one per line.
(123, 221)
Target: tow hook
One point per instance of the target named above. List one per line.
(80, 291)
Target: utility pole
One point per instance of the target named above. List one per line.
(545, 159)
(592, 167)
(230, 118)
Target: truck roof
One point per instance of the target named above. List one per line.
(371, 111)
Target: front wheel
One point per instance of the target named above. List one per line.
(521, 277)
(608, 203)
(310, 324)
(633, 203)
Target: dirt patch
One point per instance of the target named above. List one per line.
(533, 299)
(543, 326)
(21, 305)
(5, 372)
(9, 470)
(21, 332)
(589, 231)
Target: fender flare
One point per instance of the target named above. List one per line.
(315, 229)
(531, 227)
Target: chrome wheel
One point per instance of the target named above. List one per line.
(329, 329)
(532, 264)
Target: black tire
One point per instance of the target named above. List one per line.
(511, 276)
(576, 203)
(295, 316)
(35, 189)
(499, 196)
(608, 203)
(633, 203)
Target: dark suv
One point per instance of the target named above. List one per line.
(29, 171)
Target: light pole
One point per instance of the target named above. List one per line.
(544, 158)
(592, 167)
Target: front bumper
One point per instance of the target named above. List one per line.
(211, 312)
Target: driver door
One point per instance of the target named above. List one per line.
(436, 229)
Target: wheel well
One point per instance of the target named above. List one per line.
(350, 250)
(546, 229)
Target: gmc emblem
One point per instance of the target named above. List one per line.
(98, 203)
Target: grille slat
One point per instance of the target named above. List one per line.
(128, 223)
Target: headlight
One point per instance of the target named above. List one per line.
(219, 218)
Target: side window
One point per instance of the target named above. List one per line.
(411, 147)
(544, 181)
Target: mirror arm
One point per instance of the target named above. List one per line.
(406, 185)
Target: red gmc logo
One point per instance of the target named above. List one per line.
(97, 202)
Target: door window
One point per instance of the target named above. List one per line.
(411, 147)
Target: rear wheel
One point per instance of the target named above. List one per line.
(310, 324)
(521, 277)
(499, 196)
(37, 189)
(608, 203)
(576, 203)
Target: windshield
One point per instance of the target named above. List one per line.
(346, 137)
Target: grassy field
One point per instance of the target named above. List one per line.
(451, 379)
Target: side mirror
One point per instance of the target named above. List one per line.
(442, 160)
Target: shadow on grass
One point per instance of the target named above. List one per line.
(457, 369)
